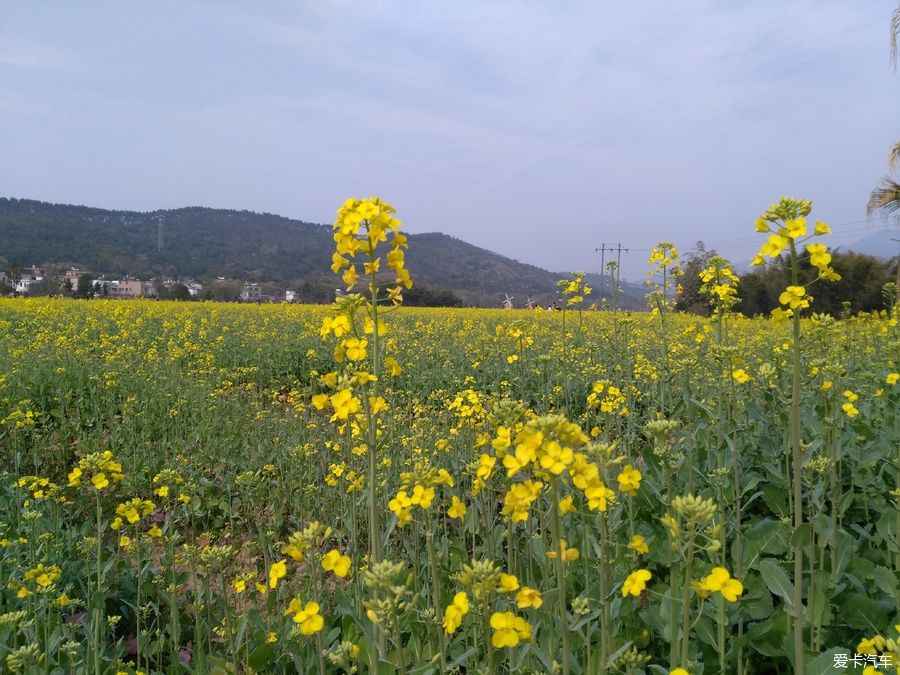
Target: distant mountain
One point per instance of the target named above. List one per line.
(881, 244)
(207, 243)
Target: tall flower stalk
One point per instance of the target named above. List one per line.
(361, 225)
(788, 218)
(664, 276)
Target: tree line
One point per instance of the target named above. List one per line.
(867, 284)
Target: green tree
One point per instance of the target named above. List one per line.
(14, 273)
(862, 280)
(85, 287)
(223, 291)
(886, 195)
(423, 296)
(49, 285)
(689, 298)
(178, 292)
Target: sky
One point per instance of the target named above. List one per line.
(537, 129)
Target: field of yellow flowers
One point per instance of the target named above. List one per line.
(372, 488)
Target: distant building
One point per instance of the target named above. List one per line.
(252, 292)
(28, 277)
(290, 296)
(126, 288)
(72, 275)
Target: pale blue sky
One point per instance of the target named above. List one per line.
(535, 129)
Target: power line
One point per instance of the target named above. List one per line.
(748, 241)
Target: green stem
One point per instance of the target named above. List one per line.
(720, 637)
(797, 461)
(98, 603)
(137, 608)
(605, 639)
(560, 574)
(436, 593)
(374, 543)
(686, 598)
(320, 650)
(486, 633)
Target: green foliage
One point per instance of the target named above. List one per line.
(222, 394)
(862, 281)
(689, 299)
(423, 296)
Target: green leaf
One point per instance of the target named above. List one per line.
(616, 654)
(756, 602)
(332, 636)
(705, 631)
(802, 535)
(885, 580)
(764, 636)
(846, 546)
(823, 664)
(459, 660)
(818, 602)
(259, 657)
(776, 580)
(859, 611)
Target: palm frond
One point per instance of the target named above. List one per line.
(885, 197)
(894, 157)
(895, 35)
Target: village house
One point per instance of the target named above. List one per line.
(28, 277)
(72, 275)
(252, 292)
(126, 288)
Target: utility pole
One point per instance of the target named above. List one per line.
(619, 250)
(159, 233)
(602, 250)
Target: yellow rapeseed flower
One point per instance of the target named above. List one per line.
(455, 612)
(508, 583)
(740, 376)
(334, 561)
(509, 629)
(277, 571)
(629, 480)
(457, 508)
(568, 554)
(795, 297)
(306, 616)
(528, 597)
(636, 582)
(638, 544)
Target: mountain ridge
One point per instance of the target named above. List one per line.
(205, 243)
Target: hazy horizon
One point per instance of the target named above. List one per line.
(530, 129)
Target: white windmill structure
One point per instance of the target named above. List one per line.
(507, 304)
(530, 303)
